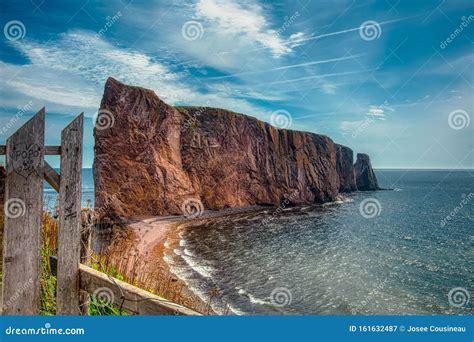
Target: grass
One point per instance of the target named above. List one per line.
(49, 247)
(137, 270)
(116, 262)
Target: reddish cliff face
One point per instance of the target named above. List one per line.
(151, 158)
(345, 169)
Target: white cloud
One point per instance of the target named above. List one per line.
(72, 70)
(328, 88)
(246, 21)
(376, 111)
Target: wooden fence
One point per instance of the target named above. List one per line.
(25, 171)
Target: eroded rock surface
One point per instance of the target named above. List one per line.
(364, 174)
(153, 158)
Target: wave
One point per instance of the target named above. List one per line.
(252, 299)
(204, 271)
(340, 199)
(189, 253)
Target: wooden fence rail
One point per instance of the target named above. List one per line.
(128, 297)
(25, 171)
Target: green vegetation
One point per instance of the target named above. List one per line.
(48, 280)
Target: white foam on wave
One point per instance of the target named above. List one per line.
(236, 311)
(252, 299)
(340, 199)
(188, 252)
(168, 259)
(204, 271)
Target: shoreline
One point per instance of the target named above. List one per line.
(155, 238)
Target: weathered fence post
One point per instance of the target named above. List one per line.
(23, 212)
(69, 237)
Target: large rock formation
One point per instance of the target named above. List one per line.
(151, 158)
(345, 168)
(364, 174)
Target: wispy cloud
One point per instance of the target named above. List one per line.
(246, 20)
(286, 67)
(71, 71)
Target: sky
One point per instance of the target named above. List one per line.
(393, 79)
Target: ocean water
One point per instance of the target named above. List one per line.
(50, 195)
(385, 252)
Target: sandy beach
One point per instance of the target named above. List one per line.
(150, 236)
(150, 240)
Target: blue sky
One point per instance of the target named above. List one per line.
(378, 76)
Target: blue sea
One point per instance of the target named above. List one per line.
(50, 195)
(372, 253)
(404, 251)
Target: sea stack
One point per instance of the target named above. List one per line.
(150, 158)
(364, 174)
